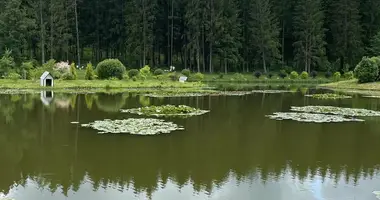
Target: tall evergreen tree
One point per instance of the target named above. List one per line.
(264, 33)
(346, 31)
(309, 33)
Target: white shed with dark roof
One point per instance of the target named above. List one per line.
(47, 80)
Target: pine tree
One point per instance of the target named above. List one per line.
(264, 33)
(374, 49)
(193, 30)
(346, 31)
(309, 33)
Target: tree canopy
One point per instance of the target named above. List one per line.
(201, 35)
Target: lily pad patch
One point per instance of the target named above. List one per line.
(311, 117)
(166, 111)
(355, 112)
(144, 126)
(328, 96)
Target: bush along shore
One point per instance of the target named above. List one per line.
(366, 74)
(111, 73)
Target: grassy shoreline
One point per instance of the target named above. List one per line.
(351, 85)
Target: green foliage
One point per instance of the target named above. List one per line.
(375, 44)
(257, 74)
(110, 68)
(336, 76)
(13, 76)
(186, 72)
(348, 75)
(367, 70)
(293, 75)
(145, 72)
(328, 74)
(304, 75)
(239, 77)
(67, 76)
(73, 71)
(158, 72)
(6, 63)
(26, 68)
(133, 73)
(197, 76)
(283, 74)
(269, 75)
(90, 74)
(314, 74)
(174, 76)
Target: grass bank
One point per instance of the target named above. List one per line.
(97, 84)
(352, 85)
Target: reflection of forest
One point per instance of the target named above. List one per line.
(39, 143)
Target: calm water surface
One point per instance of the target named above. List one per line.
(232, 153)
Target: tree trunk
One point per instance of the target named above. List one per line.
(172, 35)
(77, 31)
(225, 66)
(42, 34)
(203, 51)
(144, 32)
(198, 55)
(283, 43)
(210, 65)
(264, 63)
(51, 29)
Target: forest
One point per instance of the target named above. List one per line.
(201, 35)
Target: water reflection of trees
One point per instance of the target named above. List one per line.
(233, 138)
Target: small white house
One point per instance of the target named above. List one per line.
(47, 80)
(182, 79)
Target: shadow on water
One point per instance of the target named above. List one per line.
(233, 146)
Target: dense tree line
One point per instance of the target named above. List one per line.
(203, 35)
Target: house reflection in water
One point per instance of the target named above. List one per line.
(47, 97)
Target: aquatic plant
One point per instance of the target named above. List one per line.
(144, 126)
(311, 117)
(377, 193)
(271, 91)
(329, 96)
(354, 112)
(166, 110)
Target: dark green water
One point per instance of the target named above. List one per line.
(234, 152)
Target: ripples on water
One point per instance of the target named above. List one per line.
(233, 152)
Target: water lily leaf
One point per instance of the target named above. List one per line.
(354, 112)
(134, 126)
(311, 117)
(166, 111)
(377, 193)
(329, 96)
(271, 91)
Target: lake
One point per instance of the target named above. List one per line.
(233, 152)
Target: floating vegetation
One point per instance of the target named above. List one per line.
(233, 93)
(197, 94)
(328, 96)
(374, 97)
(134, 126)
(166, 111)
(18, 91)
(377, 193)
(311, 117)
(271, 91)
(354, 112)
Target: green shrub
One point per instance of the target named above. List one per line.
(145, 72)
(220, 76)
(174, 76)
(90, 74)
(134, 78)
(186, 72)
(73, 71)
(50, 64)
(198, 76)
(269, 75)
(328, 74)
(239, 77)
(282, 74)
(6, 63)
(67, 76)
(26, 68)
(367, 70)
(349, 75)
(158, 72)
(314, 74)
(288, 69)
(304, 75)
(133, 73)
(110, 68)
(13, 76)
(293, 75)
(257, 74)
(336, 76)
